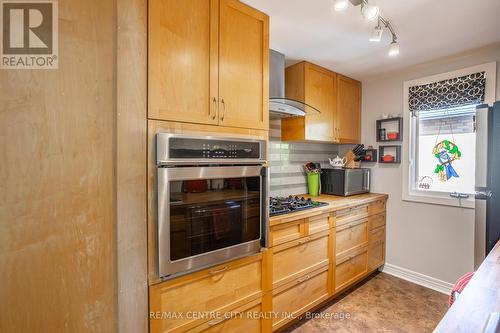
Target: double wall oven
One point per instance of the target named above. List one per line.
(212, 201)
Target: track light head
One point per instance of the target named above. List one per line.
(394, 48)
(340, 5)
(369, 12)
(377, 34)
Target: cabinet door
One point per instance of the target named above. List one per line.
(183, 60)
(320, 93)
(348, 128)
(243, 66)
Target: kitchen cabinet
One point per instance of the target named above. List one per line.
(298, 296)
(242, 319)
(336, 96)
(348, 116)
(208, 63)
(313, 256)
(315, 86)
(219, 289)
(299, 257)
(350, 268)
(351, 236)
(243, 66)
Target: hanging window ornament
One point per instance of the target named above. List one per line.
(446, 152)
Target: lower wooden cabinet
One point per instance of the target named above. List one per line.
(376, 248)
(351, 236)
(376, 256)
(296, 297)
(246, 319)
(311, 259)
(299, 257)
(350, 268)
(176, 304)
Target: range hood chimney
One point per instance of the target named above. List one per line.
(279, 106)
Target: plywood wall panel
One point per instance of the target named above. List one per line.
(131, 166)
(57, 127)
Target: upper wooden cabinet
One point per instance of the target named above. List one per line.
(348, 110)
(315, 86)
(208, 63)
(337, 97)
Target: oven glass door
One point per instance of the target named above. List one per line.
(208, 214)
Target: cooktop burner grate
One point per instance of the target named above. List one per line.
(284, 205)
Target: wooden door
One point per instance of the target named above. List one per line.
(243, 66)
(348, 129)
(320, 93)
(183, 37)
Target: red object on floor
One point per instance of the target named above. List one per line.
(459, 287)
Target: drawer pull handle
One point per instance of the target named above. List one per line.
(218, 271)
(305, 278)
(216, 321)
(304, 241)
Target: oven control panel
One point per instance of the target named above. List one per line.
(210, 148)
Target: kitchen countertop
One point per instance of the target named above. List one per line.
(479, 299)
(334, 203)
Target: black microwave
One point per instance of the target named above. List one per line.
(345, 182)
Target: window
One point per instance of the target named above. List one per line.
(443, 158)
(440, 150)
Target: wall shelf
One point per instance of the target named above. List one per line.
(393, 150)
(388, 127)
(373, 156)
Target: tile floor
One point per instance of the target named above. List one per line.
(384, 303)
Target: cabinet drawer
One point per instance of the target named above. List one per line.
(376, 254)
(377, 207)
(351, 214)
(377, 234)
(242, 319)
(376, 221)
(220, 288)
(350, 268)
(351, 236)
(296, 258)
(300, 295)
(286, 232)
(318, 223)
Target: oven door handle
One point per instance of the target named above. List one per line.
(204, 172)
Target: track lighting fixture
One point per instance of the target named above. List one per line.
(371, 12)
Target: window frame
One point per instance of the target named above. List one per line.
(433, 197)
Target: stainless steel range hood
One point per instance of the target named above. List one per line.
(279, 106)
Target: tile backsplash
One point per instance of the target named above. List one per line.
(286, 160)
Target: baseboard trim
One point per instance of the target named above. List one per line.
(418, 278)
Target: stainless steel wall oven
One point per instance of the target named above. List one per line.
(212, 201)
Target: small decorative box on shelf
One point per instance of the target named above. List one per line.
(390, 129)
(390, 154)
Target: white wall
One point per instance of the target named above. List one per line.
(437, 241)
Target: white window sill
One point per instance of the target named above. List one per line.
(439, 199)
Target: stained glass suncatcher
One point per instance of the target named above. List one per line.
(446, 152)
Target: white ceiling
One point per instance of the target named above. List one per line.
(427, 29)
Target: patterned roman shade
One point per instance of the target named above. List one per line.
(460, 91)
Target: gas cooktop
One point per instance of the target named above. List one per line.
(284, 205)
